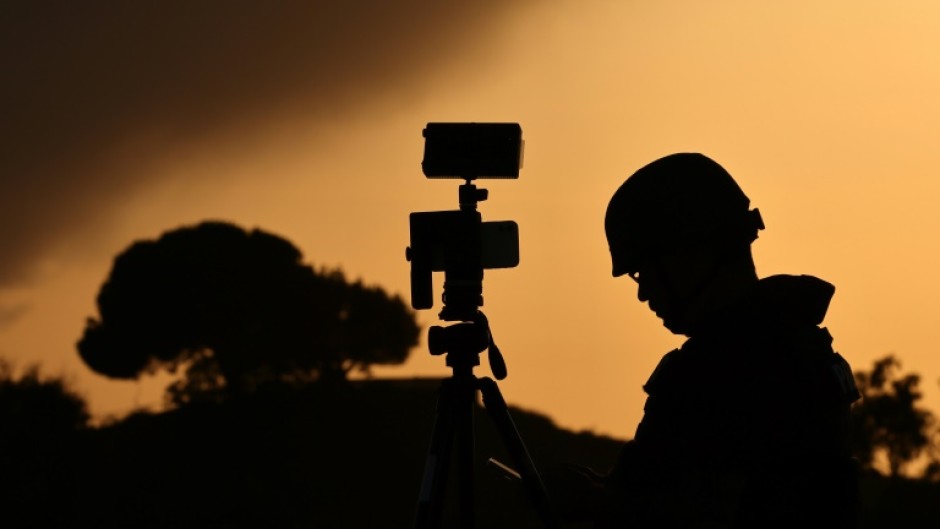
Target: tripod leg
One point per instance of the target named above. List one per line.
(531, 480)
(465, 390)
(431, 498)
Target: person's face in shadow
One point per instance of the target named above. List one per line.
(673, 284)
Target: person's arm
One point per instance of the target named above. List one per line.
(576, 491)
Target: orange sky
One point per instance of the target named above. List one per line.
(825, 114)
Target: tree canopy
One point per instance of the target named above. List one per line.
(888, 419)
(35, 406)
(237, 309)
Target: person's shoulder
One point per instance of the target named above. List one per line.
(784, 317)
(666, 372)
(791, 299)
(693, 367)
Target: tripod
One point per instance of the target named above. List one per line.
(463, 343)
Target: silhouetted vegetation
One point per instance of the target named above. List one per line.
(238, 309)
(888, 421)
(890, 430)
(41, 423)
(346, 456)
(31, 404)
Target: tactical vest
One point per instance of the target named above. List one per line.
(746, 426)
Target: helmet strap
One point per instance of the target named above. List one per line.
(722, 258)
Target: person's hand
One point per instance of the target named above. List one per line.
(575, 491)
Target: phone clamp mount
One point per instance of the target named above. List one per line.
(461, 245)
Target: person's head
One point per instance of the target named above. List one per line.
(681, 228)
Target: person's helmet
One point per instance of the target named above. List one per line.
(681, 200)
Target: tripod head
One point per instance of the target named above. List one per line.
(458, 242)
(463, 342)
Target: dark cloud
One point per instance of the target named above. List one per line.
(93, 90)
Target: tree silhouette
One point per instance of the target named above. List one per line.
(33, 407)
(41, 424)
(888, 420)
(238, 309)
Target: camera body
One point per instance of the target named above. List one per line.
(458, 242)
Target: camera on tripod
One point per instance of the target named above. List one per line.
(458, 242)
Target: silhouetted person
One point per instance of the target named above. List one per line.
(746, 423)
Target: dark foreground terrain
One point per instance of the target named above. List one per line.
(343, 457)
